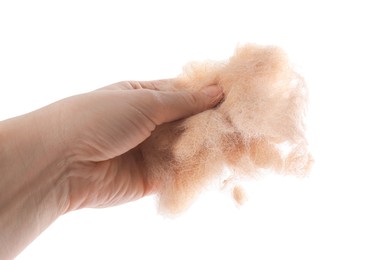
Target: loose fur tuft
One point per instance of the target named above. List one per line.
(258, 126)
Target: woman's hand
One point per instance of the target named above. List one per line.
(78, 152)
(101, 128)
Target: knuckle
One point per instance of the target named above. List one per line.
(134, 84)
(157, 105)
(191, 99)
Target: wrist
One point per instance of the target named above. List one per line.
(33, 184)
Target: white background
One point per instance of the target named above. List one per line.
(50, 50)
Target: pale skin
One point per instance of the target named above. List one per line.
(78, 153)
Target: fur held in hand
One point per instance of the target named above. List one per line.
(258, 126)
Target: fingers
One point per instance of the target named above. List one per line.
(163, 84)
(161, 102)
(179, 104)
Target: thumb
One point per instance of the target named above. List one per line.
(179, 104)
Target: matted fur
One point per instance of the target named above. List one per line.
(258, 126)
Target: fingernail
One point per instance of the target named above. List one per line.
(212, 91)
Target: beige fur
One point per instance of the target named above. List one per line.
(258, 126)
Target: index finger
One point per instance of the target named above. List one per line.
(162, 85)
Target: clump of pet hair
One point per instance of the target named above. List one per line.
(258, 126)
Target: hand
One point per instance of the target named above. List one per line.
(101, 128)
(80, 152)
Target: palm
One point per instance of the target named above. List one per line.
(103, 129)
(109, 182)
(109, 172)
